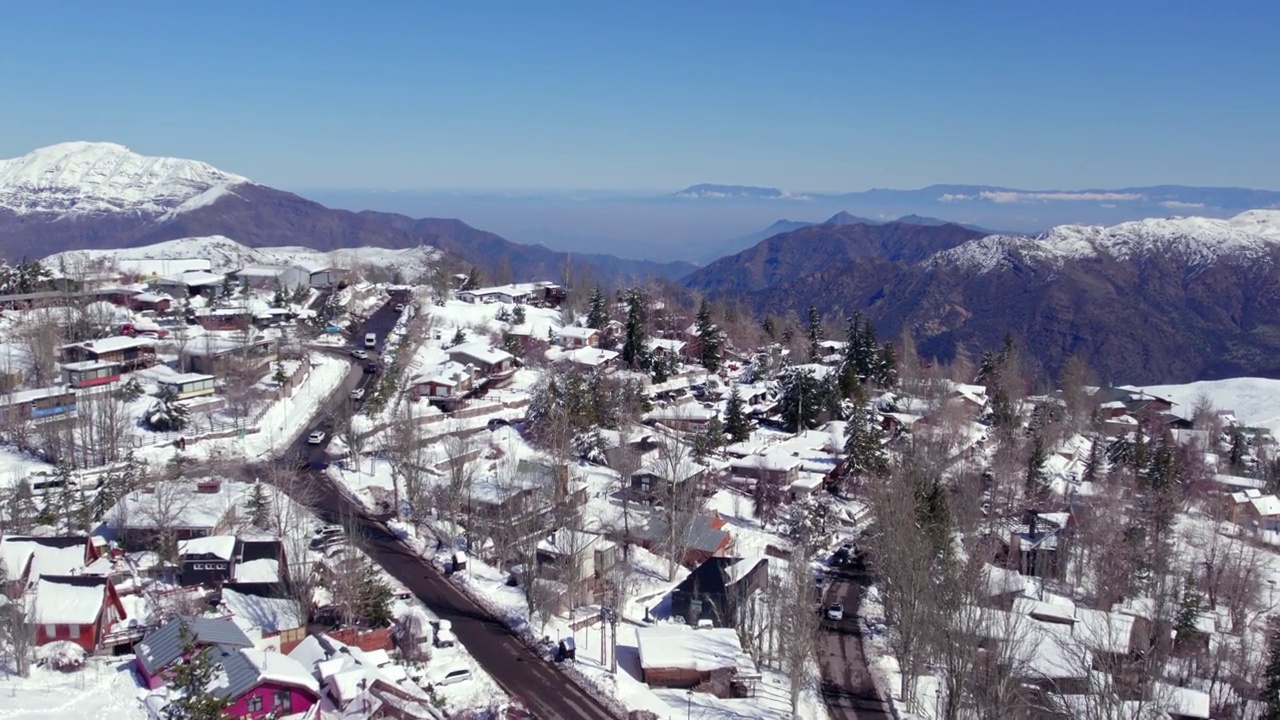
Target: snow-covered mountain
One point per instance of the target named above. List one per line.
(80, 178)
(1193, 241)
(225, 254)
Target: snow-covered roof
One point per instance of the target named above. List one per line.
(688, 412)
(1001, 581)
(149, 297)
(219, 546)
(479, 351)
(678, 646)
(115, 343)
(68, 600)
(449, 374)
(590, 357)
(776, 462)
(741, 569)
(572, 542)
(1102, 631)
(212, 346)
(24, 396)
(84, 365)
(48, 556)
(1266, 506)
(667, 344)
(1185, 702)
(262, 570)
(269, 615)
(1049, 651)
(1047, 611)
(184, 507)
(577, 333)
(280, 668)
(183, 378)
(682, 469)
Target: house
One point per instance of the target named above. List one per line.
(1251, 509)
(189, 283)
(260, 684)
(261, 560)
(206, 560)
(666, 347)
(578, 558)
(266, 609)
(188, 385)
(774, 468)
(446, 386)
(704, 537)
(522, 496)
(211, 355)
(172, 512)
(674, 656)
(718, 590)
(491, 364)
(224, 319)
(37, 404)
(361, 684)
(546, 293)
(161, 648)
(78, 608)
(1038, 544)
(89, 373)
(131, 353)
(685, 417)
(572, 337)
(24, 560)
(652, 481)
(150, 302)
(264, 277)
(590, 358)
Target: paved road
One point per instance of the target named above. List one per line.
(847, 687)
(537, 683)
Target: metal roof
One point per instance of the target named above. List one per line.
(160, 647)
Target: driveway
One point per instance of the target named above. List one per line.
(847, 687)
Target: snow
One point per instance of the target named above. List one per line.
(114, 344)
(105, 688)
(479, 351)
(256, 571)
(66, 604)
(280, 668)
(1254, 401)
(1195, 241)
(220, 546)
(79, 178)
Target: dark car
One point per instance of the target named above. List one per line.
(371, 368)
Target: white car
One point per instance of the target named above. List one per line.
(316, 437)
(359, 354)
(835, 611)
(449, 675)
(357, 394)
(399, 307)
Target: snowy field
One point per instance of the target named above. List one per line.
(1255, 401)
(105, 688)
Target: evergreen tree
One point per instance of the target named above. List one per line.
(710, 338)
(189, 683)
(473, 279)
(1190, 606)
(258, 506)
(280, 377)
(1271, 675)
(23, 512)
(227, 289)
(770, 328)
(598, 310)
(736, 424)
(886, 374)
(1239, 451)
(634, 350)
(168, 414)
(278, 298)
(864, 454)
(814, 332)
(1095, 465)
(933, 513)
(68, 500)
(518, 315)
(710, 440)
(459, 337)
(803, 400)
(1037, 479)
(512, 345)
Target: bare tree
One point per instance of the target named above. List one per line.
(39, 334)
(460, 452)
(680, 493)
(17, 628)
(795, 603)
(161, 507)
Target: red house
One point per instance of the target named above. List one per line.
(77, 608)
(260, 683)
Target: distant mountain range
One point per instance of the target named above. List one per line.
(1162, 300)
(80, 195)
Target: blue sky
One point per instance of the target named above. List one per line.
(802, 95)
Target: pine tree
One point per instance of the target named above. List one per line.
(1095, 465)
(68, 500)
(190, 680)
(598, 311)
(1239, 451)
(634, 350)
(814, 332)
(770, 329)
(512, 345)
(864, 454)
(23, 512)
(802, 400)
(736, 424)
(258, 506)
(168, 414)
(518, 315)
(710, 339)
(1037, 479)
(473, 279)
(1190, 606)
(459, 337)
(1271, 676)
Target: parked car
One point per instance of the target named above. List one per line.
(371, 368)
(357, 394)
(325, 530)
(359, 354)
(835, 611)
(316, 437)
(444, 636)
(449, 675)
(399, 307)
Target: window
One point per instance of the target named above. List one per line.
(283, 701)
(73, 632)
(253, 703)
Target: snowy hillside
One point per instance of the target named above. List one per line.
(1255, 401)
(225, 254)
(77, 178)
(1196, 241)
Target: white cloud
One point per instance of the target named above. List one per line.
(952, 197)
(1180, 204)
(1013, 196)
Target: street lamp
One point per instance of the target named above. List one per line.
(689, 708)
